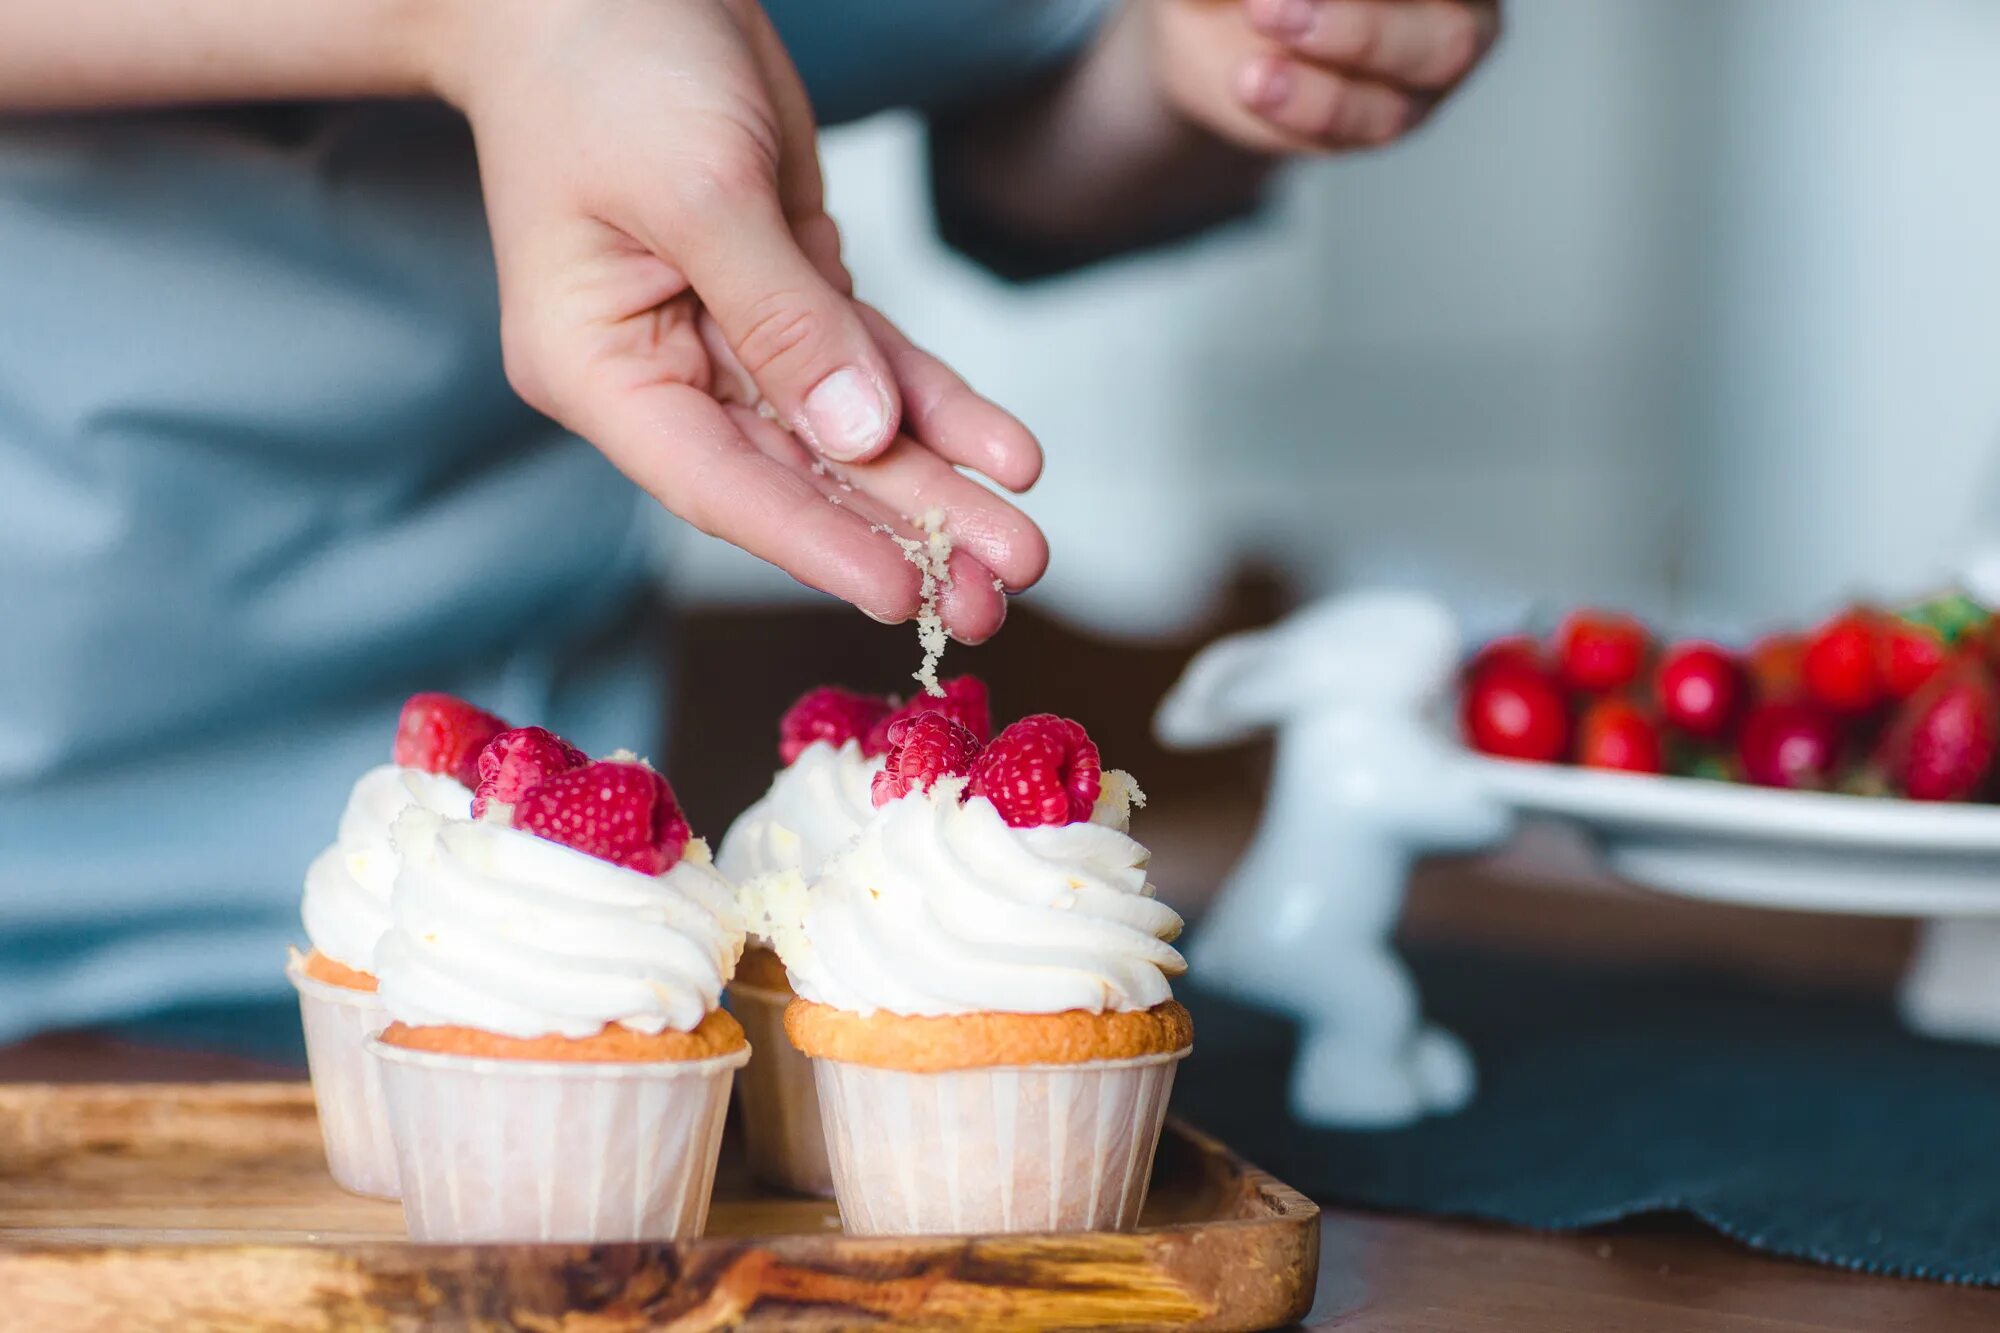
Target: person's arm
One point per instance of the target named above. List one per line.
(666, 264)
(1175, 117)
(69, 55)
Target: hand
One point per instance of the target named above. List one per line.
(1305, 76)
(666, 265)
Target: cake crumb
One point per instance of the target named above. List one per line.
(932, 557)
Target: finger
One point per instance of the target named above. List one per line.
(944, 413)
(1321, 107)
(683, 448)
(972, 602)
(798, 336)
(912, 476)
(971, 606)
(1422, 44)
(912, 481)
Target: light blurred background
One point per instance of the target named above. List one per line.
(1689, 306)
(1692, 305)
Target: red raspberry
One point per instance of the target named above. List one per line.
(827, 714)
(620, 812)
(963, 701)
(516, 760)
(1043, 769)
(923, 749)
(440, 733)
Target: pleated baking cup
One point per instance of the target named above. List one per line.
(353, 1121)
(782, 1130)
(577, 1152)
(1027, 1148)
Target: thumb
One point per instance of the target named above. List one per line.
(799, 337)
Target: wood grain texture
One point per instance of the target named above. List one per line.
(139, 1207)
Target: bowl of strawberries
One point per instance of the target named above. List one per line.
(1853, 766)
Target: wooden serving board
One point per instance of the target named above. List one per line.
(195, 1206)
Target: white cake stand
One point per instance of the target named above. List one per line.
(1367, 780)
(1804, 851)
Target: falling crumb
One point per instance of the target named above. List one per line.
(932, 557)
(1117, 797)
(1000, 585)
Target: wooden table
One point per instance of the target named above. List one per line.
(1411, 1275)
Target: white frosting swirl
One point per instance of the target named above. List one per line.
(503, 931)
(815, 805)
(939, 907)
(346, 905)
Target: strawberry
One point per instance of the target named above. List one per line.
(614, 810)
(519, 759)
(1507, 650)
(1907, 655)
(1043, 769)
(963, 701)
(1839, 666)
(1515, 712)
(922, 749)
(1789, 744)
(441, 733)
(827, 714)
(1699, 687)
(1953, 617)
(1941, 744)
(1616, 734)
(1775, 663)
(1600, 651)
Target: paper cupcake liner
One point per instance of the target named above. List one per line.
(782, 1131)
(353, 1122)
(521, 1150)
(1031, 1148)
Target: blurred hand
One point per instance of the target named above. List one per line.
(666, 264)
(1302, 76)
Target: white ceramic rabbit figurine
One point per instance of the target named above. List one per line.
(1363, 784)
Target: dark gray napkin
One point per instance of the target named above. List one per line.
(1806, 1124)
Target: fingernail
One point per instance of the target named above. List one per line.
(846, 415)
(880, 620)
(1264, 83)
(1289, 19)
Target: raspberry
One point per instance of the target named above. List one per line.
(1043, 769)
(440, 733)
(827, 714)
(922, 749)
(619, 812)
(963, 701)
(516, 760)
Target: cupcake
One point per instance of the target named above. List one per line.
(557, 1068)
(346, 910)
(832, 743)
(982, 987)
